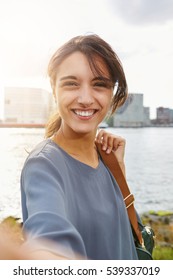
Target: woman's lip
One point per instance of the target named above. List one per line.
(90, 114)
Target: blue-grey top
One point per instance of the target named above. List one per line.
(79, 207)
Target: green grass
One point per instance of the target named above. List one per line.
(160, 213)
(163, 253)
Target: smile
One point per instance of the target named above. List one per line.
(88, 113)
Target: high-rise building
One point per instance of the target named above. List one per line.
(164, 115)
(132, 113)
(26, 105)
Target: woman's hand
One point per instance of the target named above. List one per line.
(112, 143)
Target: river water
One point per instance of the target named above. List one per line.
(149, 166)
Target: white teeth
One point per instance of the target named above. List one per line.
(84, 113)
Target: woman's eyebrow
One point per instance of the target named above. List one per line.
(68, 77)
(101, 78)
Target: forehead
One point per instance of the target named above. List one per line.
(79, 63)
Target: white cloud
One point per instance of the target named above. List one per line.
(143, 11)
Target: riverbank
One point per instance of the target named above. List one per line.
(22, 125)
(162, 224)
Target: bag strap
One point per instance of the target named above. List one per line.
(112, 163)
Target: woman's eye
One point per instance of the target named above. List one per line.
(69, 84)
(101, 84)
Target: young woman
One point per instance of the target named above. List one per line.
(69, 197)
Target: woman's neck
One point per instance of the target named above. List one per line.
(80, 147)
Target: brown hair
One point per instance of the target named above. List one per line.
(91, 46)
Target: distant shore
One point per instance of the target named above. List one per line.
(22, 125)
(41, 125)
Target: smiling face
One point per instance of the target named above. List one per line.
(83, 98)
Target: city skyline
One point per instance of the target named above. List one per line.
(141, 34)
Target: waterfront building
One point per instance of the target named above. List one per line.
(23, 105)
(132, 113)
(164, 115)
(146, 116)
(171, 115)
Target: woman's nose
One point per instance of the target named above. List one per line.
(86, 96)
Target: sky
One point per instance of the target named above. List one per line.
(140, 32)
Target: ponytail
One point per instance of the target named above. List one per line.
(53, 125)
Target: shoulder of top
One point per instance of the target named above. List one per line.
(39, 148)
(44, 149)
(44, 152)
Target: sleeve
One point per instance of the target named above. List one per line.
(44, 210)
